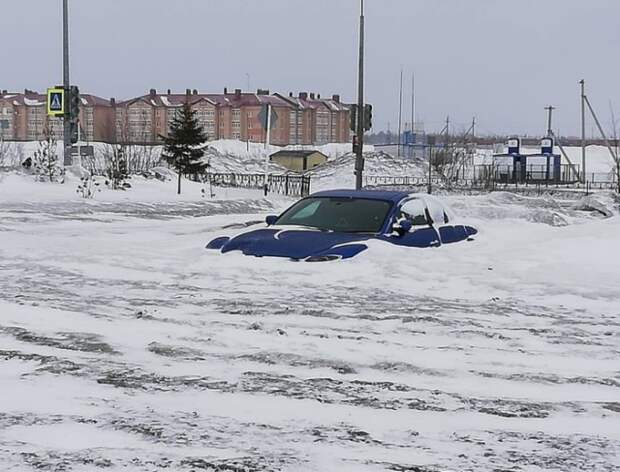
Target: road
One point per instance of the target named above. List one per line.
(124, 345)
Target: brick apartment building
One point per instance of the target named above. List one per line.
(305, 119)
(23, 117)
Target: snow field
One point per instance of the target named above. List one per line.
(126, 346)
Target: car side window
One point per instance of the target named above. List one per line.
(415, 212)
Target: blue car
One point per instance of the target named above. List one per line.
(337, 224)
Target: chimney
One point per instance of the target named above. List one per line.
(4, 92)
(169, 92)
(153, 92)
(238, 93)
(303, 95)
(113, 102)
(188, 92)
(290, 94)
(336, 98)
(225, 90)
(312, 96)
(262, 92)
(195, 92)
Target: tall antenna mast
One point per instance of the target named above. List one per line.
(413, 103)
(400, 112)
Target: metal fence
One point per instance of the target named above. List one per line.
(288, 185)
(488, 183)
(531, 174)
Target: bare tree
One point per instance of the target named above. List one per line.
(11, 154)
(45, 162)
(134, 141)
(451, 161)
(5, 151)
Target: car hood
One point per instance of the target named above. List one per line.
(292, 243)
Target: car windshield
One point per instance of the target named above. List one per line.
(349, 215)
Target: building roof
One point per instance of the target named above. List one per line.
(94, 100)
(173, 100)
(238, 100)
(297, 153)
(305, 101)
(35, 99)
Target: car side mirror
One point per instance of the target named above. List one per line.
(402, 227)
(271, 220)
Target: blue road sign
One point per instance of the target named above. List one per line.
(55, 102)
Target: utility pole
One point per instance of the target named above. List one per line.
(66, 84)
(583, 131)
(447, 131)
(267, 139)
(413, 103)
(400, 113)
(359, 159)
(472, 129)
(431, 143)
(549, 109)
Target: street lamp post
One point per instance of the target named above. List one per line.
(359, 159)
(66, 83)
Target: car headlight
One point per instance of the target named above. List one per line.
(322, 258)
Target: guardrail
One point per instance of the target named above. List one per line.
(288, 185)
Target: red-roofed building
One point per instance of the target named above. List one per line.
(306, 119)
(315, 120)
(23, 117)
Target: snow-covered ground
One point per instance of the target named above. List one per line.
(223, 155)
(124, 345)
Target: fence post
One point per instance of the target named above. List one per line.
(286, 185)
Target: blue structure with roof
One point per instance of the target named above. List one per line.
(522, 170)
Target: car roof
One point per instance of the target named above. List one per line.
(366, 194)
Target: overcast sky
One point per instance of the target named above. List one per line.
(500, 60)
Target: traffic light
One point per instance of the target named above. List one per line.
(75, 134)
(367, 117)
(74, 102)
(73, 113)
(353, 117)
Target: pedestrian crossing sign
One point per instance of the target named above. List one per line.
(55, 102)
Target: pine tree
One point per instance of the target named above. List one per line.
(184, 146)
(45, 162)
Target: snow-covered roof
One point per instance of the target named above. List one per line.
(33, 102)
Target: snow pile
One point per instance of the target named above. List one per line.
(18, 188)
(602, 203)
(239, 157)
(230, 158)
(545, 209)
(225, 155)
(339, 172)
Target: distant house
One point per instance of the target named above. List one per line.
(299, 161)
